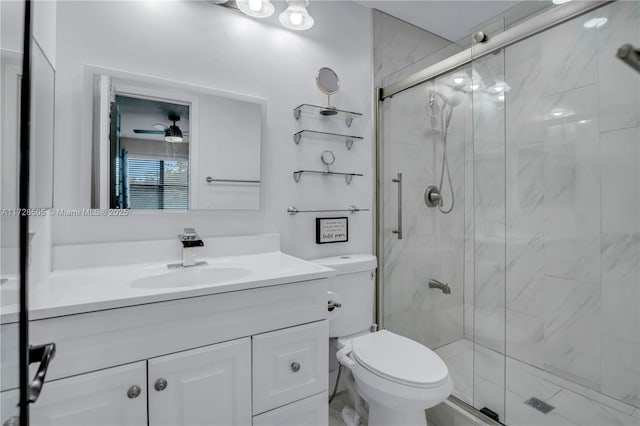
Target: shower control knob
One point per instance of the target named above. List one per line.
(160, 385)
(134, 392)
(295, 367)
(333, 305)
(432, 197)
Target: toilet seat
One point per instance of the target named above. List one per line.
(399, 360)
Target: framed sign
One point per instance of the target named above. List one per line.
(332, 230)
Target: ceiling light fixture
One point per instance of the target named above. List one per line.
(296, 17)
(256, 8)
(560, 1)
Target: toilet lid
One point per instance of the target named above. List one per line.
(399, 359)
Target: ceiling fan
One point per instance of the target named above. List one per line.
(171, 133)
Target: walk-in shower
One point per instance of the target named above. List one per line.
(534, 139)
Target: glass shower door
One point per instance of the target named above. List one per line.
(415, 125)
(572, 155)
(487, 234)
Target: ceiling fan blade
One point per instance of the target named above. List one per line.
(150, 132)
(159, 127)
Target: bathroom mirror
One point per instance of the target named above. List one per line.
(42, 128)
(328, 82)
(164, 145)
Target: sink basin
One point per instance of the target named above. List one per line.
(191, 277)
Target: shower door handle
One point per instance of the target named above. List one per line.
(398, 231)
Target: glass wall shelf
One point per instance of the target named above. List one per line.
(347, 139)
(323, 111)
(347, 176)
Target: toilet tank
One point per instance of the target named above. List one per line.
(353, 287)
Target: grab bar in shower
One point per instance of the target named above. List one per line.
(398, 180)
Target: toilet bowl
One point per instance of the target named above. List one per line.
(395, 377)
(398, 377)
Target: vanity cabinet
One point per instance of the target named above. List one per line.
(256, 356)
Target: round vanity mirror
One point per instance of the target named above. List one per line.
(328, 158)
(328, 82)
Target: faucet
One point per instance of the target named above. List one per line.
(190, 240)
(433, 283)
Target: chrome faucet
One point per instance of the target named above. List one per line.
(440, 285)
(190, 241)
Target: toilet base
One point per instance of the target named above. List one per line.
(380, 415)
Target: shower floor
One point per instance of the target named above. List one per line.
(574, 404)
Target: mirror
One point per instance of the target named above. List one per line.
(163, 145)
(328, 82)
(42, 128)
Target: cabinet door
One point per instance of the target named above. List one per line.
(105, 397)
(289, 365)
(312, 411)
(205, 386)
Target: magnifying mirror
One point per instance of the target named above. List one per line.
(328, 158)
(328, 82)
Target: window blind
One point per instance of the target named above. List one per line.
(158, 184)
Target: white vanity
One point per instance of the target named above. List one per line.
(249, 347)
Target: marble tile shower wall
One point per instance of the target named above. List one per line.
(572, 207)
(433, 243)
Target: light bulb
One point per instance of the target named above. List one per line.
(255, 5)
(256, 8)
(498, 88)
(458, 80)
(296, 18)
(595, 23)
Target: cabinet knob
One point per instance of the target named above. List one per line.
(160, 385)
(295, 367)
(134, 392)
(13, 421)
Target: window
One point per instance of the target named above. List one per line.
(157, 184)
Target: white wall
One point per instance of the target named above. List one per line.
(202, 44)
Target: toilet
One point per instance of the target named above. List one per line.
(391, 379)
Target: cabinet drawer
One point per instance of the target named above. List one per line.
(289, 365)
(312, 411)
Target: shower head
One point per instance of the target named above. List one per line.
(454, 99)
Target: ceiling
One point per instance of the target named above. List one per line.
(452, 20)
(137, 113)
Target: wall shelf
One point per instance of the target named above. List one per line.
(347, 176)
(323, 111)
(347, 139)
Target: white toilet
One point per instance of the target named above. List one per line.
(397, 377)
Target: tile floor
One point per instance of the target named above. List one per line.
(335, 409)
(574, 404)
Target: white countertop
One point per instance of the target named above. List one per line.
(75, 291)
